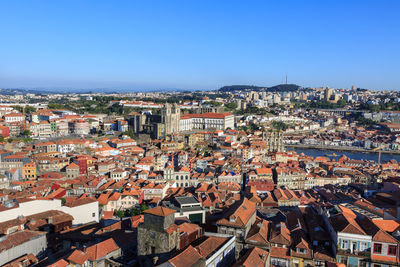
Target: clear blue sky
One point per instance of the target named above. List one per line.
(199, 44)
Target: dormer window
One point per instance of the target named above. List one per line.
(301, 250)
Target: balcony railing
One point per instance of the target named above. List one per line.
(365, 253)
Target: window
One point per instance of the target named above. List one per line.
(93, 214)
(363, 246)
(345, 244)
(301, 250)
(378, 248)
(392, 250)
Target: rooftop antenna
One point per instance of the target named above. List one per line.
(286, 79)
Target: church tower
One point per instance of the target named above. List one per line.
(170, 117)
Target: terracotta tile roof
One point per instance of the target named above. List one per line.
(172, 229)
(258, 233)
(278, 252)
(101, 249)
(203, 187)
(346, 224)
(188, 257)
(14, 115)
(255, 257)
(72, 166)
(280, 234)
(208, 115)
(241, 214)
(387, 225)
(136, 220)
(103, 198)
(79, 202)
(264, 171)
(184, 169)
(160, 211)
(78, 257)
(189, 228)
(108, 215)
(382, 236)
(211, 244)
(115, 196)
(60, 263)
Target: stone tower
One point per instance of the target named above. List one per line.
(157, 236)
(170, 117)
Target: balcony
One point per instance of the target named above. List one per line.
(347, 252)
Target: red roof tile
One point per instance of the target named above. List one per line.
(160, 211)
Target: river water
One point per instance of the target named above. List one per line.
(353, 155)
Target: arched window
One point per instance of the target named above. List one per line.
(186, 184)
(181, 177)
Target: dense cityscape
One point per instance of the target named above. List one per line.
(199, 133)
(239, 176)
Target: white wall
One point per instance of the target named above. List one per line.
(29, 208)
(229, 122)
(84, 213)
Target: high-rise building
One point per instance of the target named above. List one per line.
(276, 99)
(254, 95)
(263, 95)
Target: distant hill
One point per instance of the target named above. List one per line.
(276, 88)
(230, 88)
(11, 91)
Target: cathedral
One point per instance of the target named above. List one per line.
(156, 126)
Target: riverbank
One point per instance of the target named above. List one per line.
(343, 148)
(315, 152)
